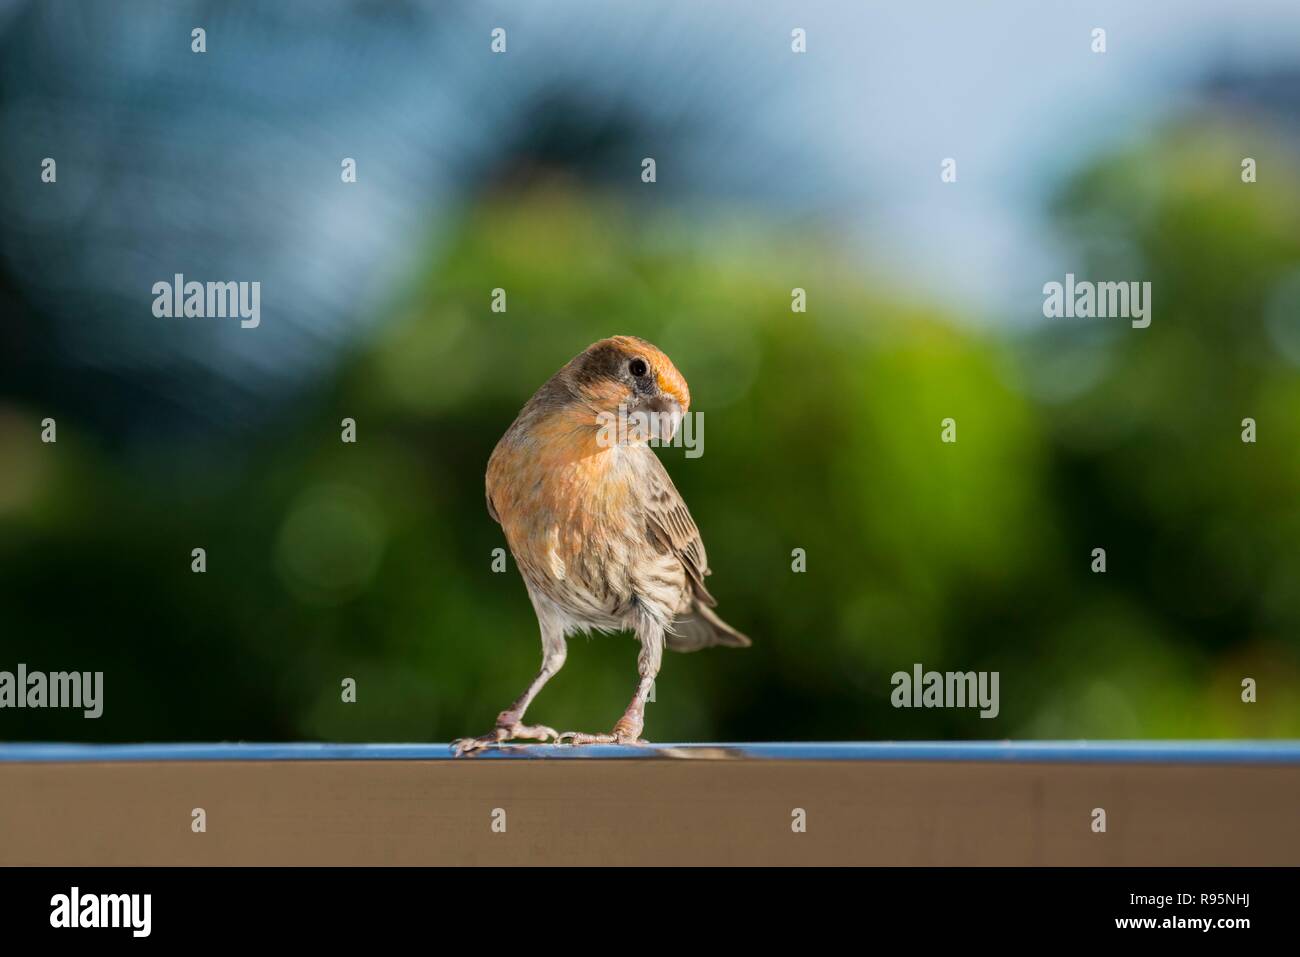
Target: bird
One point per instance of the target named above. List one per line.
(601, 536)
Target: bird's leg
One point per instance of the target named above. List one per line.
(509, 724)
(628, 729)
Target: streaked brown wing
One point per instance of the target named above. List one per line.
(670, 527)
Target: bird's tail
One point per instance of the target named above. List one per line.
(702, 628)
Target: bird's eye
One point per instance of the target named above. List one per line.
(638, 367)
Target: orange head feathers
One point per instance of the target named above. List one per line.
(627, 371)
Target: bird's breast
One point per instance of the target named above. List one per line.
(571, 517)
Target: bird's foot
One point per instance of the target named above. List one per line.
(501, 733)
(627, 731)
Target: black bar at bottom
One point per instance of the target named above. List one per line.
(370, 905)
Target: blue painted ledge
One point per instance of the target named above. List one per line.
(1086, 752)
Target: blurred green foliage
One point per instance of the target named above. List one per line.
(821, 432)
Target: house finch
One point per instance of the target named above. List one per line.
(600, 534)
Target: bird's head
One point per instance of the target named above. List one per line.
(627, 375)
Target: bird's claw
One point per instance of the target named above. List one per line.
(502, 734)
(580, 737)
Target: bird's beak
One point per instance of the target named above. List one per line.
(665, 417)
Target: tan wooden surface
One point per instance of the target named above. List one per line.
(647, 812)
